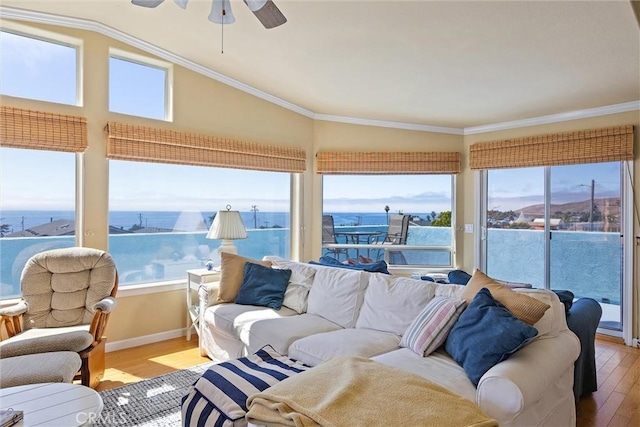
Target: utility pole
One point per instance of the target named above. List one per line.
(593, 187)
(255, 210)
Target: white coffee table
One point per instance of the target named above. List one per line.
(53, 404)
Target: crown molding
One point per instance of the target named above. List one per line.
(555, 118)
(83, 24)
(388, 124)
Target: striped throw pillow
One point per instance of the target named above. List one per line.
(219, 397)
(429, 330)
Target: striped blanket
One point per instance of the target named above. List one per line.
(219, 397)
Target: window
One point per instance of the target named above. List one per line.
(38, 69)
(363, 209)
(159, 215)
(138, 87)
(37, 210)
(583, 250)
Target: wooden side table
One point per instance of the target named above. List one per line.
(195, 279)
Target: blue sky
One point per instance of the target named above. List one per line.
(46, 71)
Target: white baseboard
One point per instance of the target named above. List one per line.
(146, 339)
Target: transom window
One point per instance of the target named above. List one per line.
(39, 69)
(138, 86)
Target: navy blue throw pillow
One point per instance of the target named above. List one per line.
(458, 277)
(373, 267)
(263, 286)
(485, 334)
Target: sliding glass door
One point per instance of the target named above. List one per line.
(560, 228)
(585, 230)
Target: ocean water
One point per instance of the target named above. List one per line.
(587, 263)
(19, 220)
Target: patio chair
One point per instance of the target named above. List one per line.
(329, 237)
(67, 297)
(396, 234)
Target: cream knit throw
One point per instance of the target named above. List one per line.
(354, 391)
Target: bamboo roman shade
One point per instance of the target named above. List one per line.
(37, 130)
(147, 144)
(387, 163)
(586, 146)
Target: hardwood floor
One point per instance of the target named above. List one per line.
(616, 403)
(148, 361)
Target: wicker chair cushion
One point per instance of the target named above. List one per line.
(61, 286)
(57, 367)
(46, 340)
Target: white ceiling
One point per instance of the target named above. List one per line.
(438, 63)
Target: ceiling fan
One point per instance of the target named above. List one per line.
(265, 10)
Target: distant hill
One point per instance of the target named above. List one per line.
(609, 204)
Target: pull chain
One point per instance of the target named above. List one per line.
(224, 12)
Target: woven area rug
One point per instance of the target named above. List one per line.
(153, 402)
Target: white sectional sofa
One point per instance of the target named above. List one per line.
(356, 313)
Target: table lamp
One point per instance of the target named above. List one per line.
(227, 226)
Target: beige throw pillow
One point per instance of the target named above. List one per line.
(232, 274)
(524, 307)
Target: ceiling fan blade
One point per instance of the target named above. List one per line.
(221, 12)
(182, 3)
(147, 3)
(267, 12)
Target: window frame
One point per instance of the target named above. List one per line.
(627, 230)
(147, 61)
(55, 38)
(413, 268)
(162, 285)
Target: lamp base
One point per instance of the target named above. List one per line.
(228, 246)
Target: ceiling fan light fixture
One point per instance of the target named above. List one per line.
(147, 3)
(182, 3)
(221, 12)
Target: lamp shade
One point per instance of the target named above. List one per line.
(227, 225)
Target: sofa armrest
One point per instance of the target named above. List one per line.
(14, 310)
(208, 295)
(517, 382)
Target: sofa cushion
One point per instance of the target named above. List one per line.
(280, 332)
(392, 303)
(297, 293)
(449, 290)
(318, 348)
(263, 286)
(230, 318)
(430, 328)
(486, 334)
(337, 295)
(231, 275)
(525, 308)
(439, 367)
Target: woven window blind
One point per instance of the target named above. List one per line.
(387, 163)
(147, 144)
(37, 130)
(586, 146)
